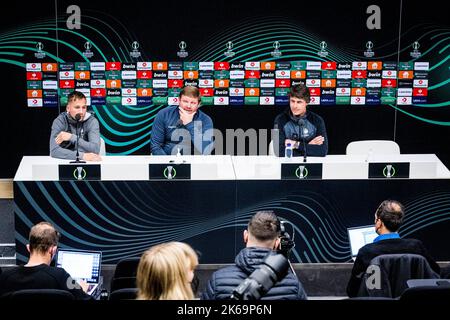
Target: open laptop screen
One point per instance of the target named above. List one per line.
(360, 236)
(80, 264)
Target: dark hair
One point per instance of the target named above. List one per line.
(42, 236)
(391, 213)
(191, 91)
(300, 91)
(75, 95)
(264, 225)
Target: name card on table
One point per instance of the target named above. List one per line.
(79, 172)
(389, 170)
(170, 171)
(301, 171)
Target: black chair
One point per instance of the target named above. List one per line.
(123, 294)
(387, 274)
(427, 293)
(125, 274)
(126, 268)
(42, 295)
(123, 282)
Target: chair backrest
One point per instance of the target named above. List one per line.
(125, 274)
(126, 267)
(102, 147)
(373, 146)
(42, 294)
(123, 282)
(124, 294)
(427, 293)
(387, 274)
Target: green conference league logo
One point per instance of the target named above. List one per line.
(389, 170)
(79, 172)
(301, 171)
(169, 171)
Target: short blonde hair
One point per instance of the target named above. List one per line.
(162, 272)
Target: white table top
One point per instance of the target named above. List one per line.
(225, 167)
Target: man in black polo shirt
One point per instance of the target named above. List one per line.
(37, 273)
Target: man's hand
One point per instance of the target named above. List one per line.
(317, 140)
(186, 117)
(294, 144)
(63, 136)
(89, 156)
(83, 284)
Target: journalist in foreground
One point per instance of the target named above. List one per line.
(262, 239)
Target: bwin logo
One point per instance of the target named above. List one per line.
(373, 281)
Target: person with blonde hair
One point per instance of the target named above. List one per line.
(165, 272)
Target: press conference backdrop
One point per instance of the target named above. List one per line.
(254, 31)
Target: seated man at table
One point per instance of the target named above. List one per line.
(182, 128)
(304, 130)
(75, 121)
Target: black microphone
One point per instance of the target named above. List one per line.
(77, 160)
(301, 123)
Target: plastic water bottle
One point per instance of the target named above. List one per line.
(288, 151)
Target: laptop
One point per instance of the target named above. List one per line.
(359, 237)
(82, 265)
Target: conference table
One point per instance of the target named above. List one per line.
(125, 204)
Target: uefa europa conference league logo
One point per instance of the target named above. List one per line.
(389, 171)
(170, 172)
(79, 173)
(182, 53)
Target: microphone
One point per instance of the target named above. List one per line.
(301, 123)
(77, 160)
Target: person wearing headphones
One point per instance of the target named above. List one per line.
(262, 238)
(184, 128)
(75, 121)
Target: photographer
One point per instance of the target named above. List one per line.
(262, 239)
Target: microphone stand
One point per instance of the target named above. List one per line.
(77, 160)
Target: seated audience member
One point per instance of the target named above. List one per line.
(388, 219)
(63, 138)
(304, 130)
(261, 239)
(37, 273)
(165, 272)
(182, 127)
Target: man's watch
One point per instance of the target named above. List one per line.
(296, 144)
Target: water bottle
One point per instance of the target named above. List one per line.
(288, 151)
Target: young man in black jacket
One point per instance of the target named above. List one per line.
(304, 130)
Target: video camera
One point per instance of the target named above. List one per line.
(286, 242)
(274, 268)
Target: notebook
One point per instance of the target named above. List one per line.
(359, 237)
(82, 265)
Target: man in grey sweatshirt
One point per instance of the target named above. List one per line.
(63, 138)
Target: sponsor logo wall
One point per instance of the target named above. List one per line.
(228, 83)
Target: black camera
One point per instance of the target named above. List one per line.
(274, 268)
(286, 242)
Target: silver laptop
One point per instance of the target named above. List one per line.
(359, 237)
(82, 265)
